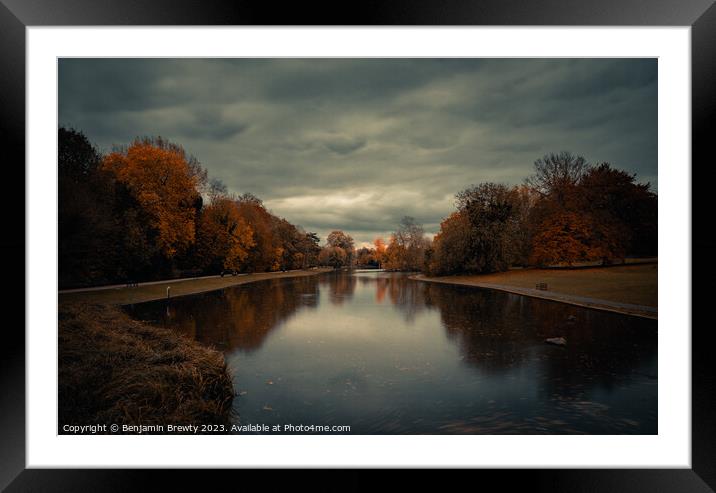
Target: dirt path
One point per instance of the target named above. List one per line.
(631, 290)
(122, 295)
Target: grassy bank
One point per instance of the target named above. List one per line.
(605, 288)
(115, 370)
(127, 295)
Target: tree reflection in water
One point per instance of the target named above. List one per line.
(388, 354)
(239, 318)
(340, 286)
(497, 332)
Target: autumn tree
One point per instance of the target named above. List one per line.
(380, 246)
(606, 214)
(395, 255)
(164, 182)
(406, 249)
(296, 245)
(223, 238)
(451, 252)
(333, 256)
(366, 257)
(278, 244)
(567, 237)
(149, 211)
(265, 254)
(343, 241)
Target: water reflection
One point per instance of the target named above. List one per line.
(386, 354)
(339, 286)
(606, 353)
(234, 319)
(497, 331)
(405, 294)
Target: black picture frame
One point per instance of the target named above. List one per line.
(16, 15)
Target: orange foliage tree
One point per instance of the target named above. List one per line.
(224, 238)
(263, 256)
(379, 244)
(566, 237)
(407, 247)
(138, 214)
(164, 184)
(395, 255)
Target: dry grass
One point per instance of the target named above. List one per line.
(115, 370)
(634, 284)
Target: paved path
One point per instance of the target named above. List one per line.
(121, 294)
(165, 281)
(124, 285)
(594, 303)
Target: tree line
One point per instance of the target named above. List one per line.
(568, 211)
(149, 211)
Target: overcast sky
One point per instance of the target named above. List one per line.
(355, 144)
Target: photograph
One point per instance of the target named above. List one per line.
(406, 236)
(357, 246)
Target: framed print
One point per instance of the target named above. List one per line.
(424, 236)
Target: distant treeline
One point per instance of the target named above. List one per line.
(149, 211)
(568, 211)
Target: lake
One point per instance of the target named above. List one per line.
(385, 354)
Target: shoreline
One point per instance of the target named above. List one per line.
(157, 290)
(583, 301)
(117, 371)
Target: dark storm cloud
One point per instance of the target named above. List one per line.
(355, 144)
(344, 145)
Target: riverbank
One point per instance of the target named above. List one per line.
(116, 370)
(628, 289)
(123, 295)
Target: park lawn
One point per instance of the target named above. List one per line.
(634, 284)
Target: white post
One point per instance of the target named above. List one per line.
(169, 288)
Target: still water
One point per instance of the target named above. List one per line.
(382, 353)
